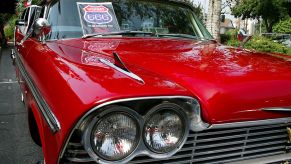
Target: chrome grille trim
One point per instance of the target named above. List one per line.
(80, 160)
(252, 123)
(232, 161)
(222, 145)
(75, 153)
(214, 146)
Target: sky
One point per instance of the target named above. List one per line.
(204, 4)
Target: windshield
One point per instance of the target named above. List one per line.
(132, 15)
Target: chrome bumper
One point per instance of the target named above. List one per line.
(284, 159)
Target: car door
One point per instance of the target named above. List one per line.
(19, 34)
(22, 45)
(32, 56)
(20, 29)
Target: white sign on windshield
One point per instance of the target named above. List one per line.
(97, 18)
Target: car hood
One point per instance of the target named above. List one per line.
(231, 84)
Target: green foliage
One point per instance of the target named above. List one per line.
(36, 2)
(271, 11)
(20, 7)
(224, 38)
(230, 35)
(233, 42)
(9, 19)
(9, 28)
(262, 44)
(4, 18)
(283, 26)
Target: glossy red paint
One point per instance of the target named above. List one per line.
(231, 84)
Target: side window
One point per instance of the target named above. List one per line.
(23, 16)
(41, 15)
(34, 14)
(26, 15)
(26, 18)
(31, 14)
(31, 17)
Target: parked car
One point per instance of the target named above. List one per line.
(287, 42)
(144, 82)
(284, 39)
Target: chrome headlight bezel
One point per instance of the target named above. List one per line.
(190, 104)
(87, 137)
(141, 148)
(168, 107)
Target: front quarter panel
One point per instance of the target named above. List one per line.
(70, 90)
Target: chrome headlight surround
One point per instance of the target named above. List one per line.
(172, 110)
(189, 107)
(114, 110)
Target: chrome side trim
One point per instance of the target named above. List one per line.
(287, 109)
(43, 107)
(110, 103)
(252, 123)
(79, 160)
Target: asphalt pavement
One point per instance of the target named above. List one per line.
(16, 146)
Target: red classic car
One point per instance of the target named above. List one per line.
(144, 82)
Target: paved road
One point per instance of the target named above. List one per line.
(16, 146)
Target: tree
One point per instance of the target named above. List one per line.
(24, 3)
(271, 11)
(198, 9)
(4, 18)
(213, 18)
(283, 27)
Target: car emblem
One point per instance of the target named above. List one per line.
(289, 134)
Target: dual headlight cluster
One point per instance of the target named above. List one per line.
(119, 133)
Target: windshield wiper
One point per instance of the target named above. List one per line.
(179, 35)
(127, 32)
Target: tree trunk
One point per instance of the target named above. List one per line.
(213, 18)
(269, 26)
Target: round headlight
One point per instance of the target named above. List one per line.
(164, 130)
(115, 136)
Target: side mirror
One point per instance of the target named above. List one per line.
(41, 27)
(243, 38)
(20, 23)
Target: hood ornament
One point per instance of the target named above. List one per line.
(120, 66)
